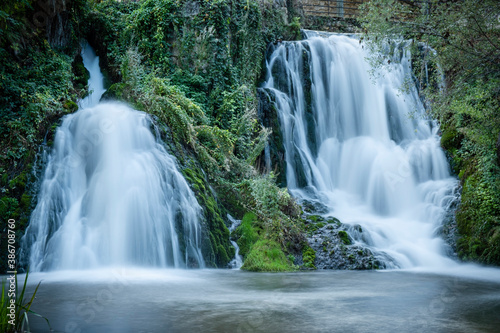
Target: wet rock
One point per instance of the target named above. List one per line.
(313, 206)
(336, 245)
(448, 230)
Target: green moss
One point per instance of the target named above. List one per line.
(222, 256)
(344, 237)
(308, 257)
(81, 74)
(478, 221)
(216, 247)
(451, 139)
(267, 256)
(333, 220)
(311, 228)
(247, 233)
(70, 106)
(315, 218)
(115, 91)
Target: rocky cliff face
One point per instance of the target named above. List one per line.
(54, 17)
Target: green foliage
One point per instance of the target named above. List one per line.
(267, 256)
(31, 93)
(21, 307)
(214, 147)
(216, 246)
(38, 84)
(105, 27)
(344, 237)
(450, 139)
(247, 233)
(308, 257)
(194, 71)
(81, 74)
(9, 208)
(267, 200)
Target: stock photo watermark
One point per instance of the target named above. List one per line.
(11, 265)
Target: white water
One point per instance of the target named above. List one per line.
(111, 194)
(96, 82)
(358, 151)
(237, 261)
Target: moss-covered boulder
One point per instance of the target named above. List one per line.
(216, 246)
(267, 256)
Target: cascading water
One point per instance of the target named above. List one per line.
(96, 82)
(111, 194)
(351, 144)
(237, 261)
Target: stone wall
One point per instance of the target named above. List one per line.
(330, 8)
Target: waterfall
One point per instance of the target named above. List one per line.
(96, 82)
(237, 261)
(111, 195)
(362, 147)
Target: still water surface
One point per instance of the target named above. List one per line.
(125, 300)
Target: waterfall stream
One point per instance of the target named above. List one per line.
(111, 195)
(237, 261)
(362, 147)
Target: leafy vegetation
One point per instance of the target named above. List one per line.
(195, 68)
(463, 38)
(308, 256)
(39, 84)
(14, 315)
(344, 237)
(267, 256)
(247, 233)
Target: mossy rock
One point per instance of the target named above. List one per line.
(308, 257)
(222, 256)
(247, 234)
(333, 220)
(451, 139)
(267, 256)
(81, 74)
(216, 246)
(344, 237)
(316, 218)
(115, 92)
(70, 106)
